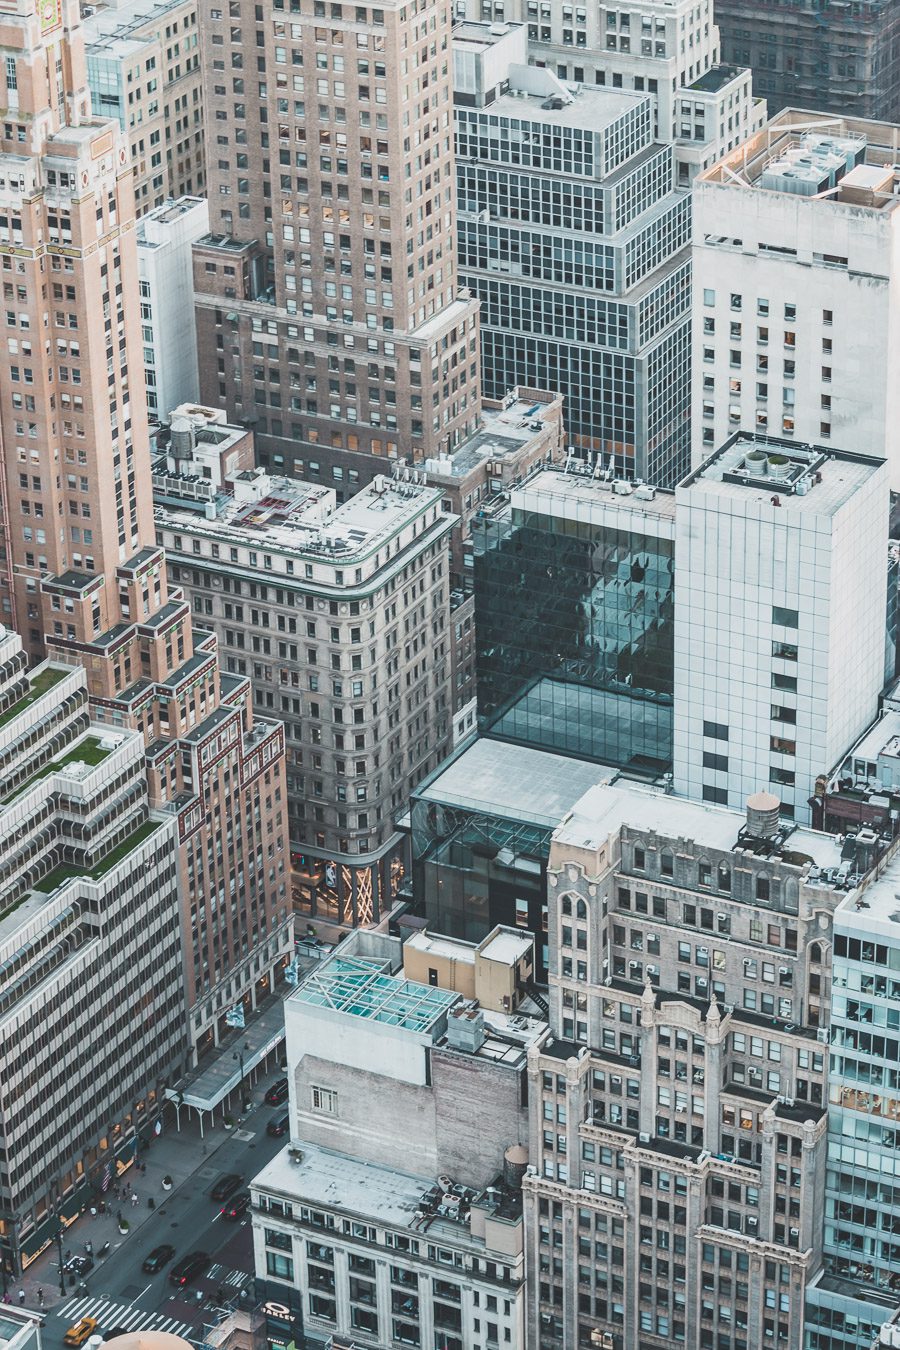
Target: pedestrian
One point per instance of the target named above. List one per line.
(134, 1199)
(40, 1294)
(116, 1190)
(21, 1296)
(119, 1218)
(93, 1211)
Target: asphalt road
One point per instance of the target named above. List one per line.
(119, 1294)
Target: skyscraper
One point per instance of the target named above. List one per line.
(796, 277)
(82, 579)
(328, 309)
(573, 237)
(780, 613)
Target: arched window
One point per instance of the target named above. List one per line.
(723, 877)
(581, 910)
(815, 952)
(567, 904)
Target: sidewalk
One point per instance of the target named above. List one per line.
(173, 1153)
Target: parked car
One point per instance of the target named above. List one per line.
(278, 1092)
(189, 1269)
(237, 1206)
(159, 1257)
(79, 1265)
(278, 1126)
(79, 1333)
(226, 1185)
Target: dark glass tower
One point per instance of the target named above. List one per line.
(574, 621)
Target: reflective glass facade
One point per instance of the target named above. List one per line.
(574, 239)
(574, 624)
(862, 1189)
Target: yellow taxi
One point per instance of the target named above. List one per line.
(79, 1333)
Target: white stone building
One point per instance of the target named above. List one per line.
(780, 611)
(666, 48)
(165, 238)
(796, 263)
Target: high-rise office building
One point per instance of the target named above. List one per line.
(668, 49)
(858, 1288)
(678, 1107)
(788, 338)
(82, 578)
(574, 238)
(143, 68)
(92, 1003)
(818, 53)
(574, 609)
(329, 311)
(340, 618)
(780, 614)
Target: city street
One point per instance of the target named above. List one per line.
(118, 1293)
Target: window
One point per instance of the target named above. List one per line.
(324, 1100)
(716, 731)
(787, 618)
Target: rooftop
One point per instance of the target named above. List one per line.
(581, 492)
(285, 515)
(714, 79)
(361, 987)
(40, 684)
(589, 109)
(770, 471)
(110, 25)
(605, 809)
(515, 782)
(382, 1195)
(814, 155)
(875, 907)
(503, 431)
(506, 946)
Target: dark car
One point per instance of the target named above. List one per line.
(236, 1206)
(114, 1332)
(278, 1126)
(189, 1269)
(159, 1257)
(79, 1265)
(278, 1092)
(226, 1185)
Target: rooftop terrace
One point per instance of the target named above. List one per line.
(364, 988)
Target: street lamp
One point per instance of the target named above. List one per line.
(238, 1055)
(59, 1248)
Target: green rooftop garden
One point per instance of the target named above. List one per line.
(39, 685)
(87, 751)
(67, 870)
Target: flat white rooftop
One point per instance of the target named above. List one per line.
(384, 1196)
(506, 947)
(605, 809)
(591, 110)
(286, 517)
(577, 495)
(799, 479)
(515, 782)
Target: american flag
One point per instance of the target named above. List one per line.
(107, 1178)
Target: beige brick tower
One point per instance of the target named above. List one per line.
(82, 578)
(329, 314)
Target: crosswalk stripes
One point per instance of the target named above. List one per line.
(124, 1315)
(224, 1275)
